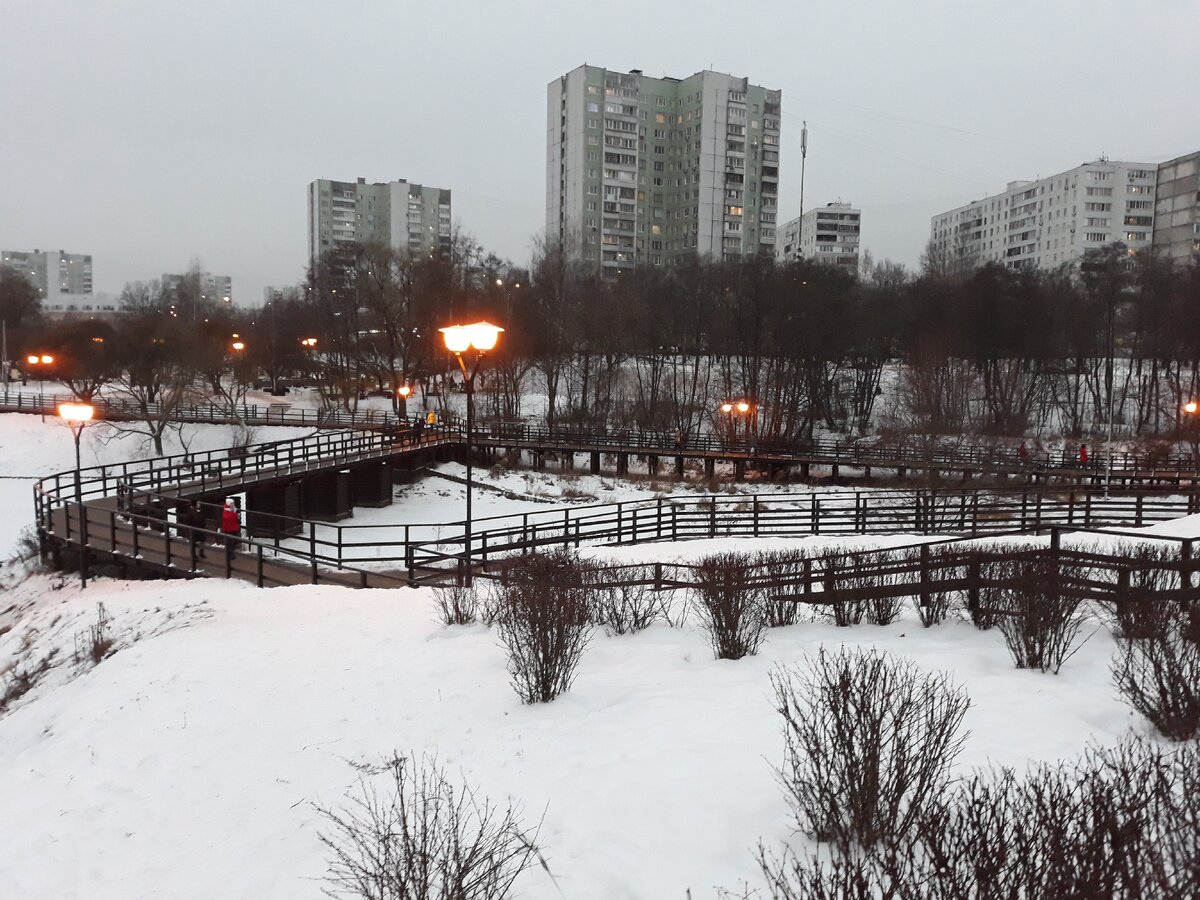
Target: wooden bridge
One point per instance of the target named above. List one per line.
(299, 492)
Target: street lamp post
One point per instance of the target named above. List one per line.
(749, 414)
(77, 415)
(480, 337)
(402, 404)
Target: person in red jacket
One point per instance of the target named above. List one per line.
(1083, 456)
(231, 526)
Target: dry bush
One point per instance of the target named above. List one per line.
(950, 562)
(97, 642)
(838, 576)
(783, 571)
(869, 741)
(424, 838)
(543, 617)
(1149, 571)
(457, 604)
(730, 609)
(629, 605)
(1159, 674)
(1036, 609)
(1119, 822)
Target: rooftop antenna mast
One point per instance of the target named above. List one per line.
(803, 157)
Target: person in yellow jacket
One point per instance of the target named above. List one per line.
(431, 418)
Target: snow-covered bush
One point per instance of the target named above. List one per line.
(869, 740)
(1036, 609)
(543, 616)
(424, 838)
(1158, 673)
(457, 604)
(728, 607)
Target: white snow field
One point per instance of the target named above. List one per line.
(187, 763)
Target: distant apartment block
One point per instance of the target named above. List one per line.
(199, 287)
(68, 307)
(643, 170)
(401, 215)
(1051, 222)
(1177, 209)
(53, 272)
(829, 234)
(272, 294)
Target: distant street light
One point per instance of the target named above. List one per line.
(745, 410)
(310, 343)
(479, 337)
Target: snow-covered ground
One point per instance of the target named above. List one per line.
(187, 763)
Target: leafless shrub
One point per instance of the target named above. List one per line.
(869, 741)
(951, 564)
(838, 577)
(22, 678)
(543, 617)
(1134, 613)
(1158, 674)
(97, 642)
(854, 875)
(628, 605)
(423, 838)
(457, 604)
(27, 547)
(783, 572)
(730, 609)
(1119, 822)
(1036, 609)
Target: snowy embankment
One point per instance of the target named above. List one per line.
(186, 763)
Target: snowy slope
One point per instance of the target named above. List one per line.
(185, 765)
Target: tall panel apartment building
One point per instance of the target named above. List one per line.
(643, 170)
(1177, 209)
(396, 213)
(828, 234)
(53, 272)
(1053, 221)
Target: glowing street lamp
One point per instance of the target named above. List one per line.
(744, 409)
(76, 415)
(459, 339)
(310, 343)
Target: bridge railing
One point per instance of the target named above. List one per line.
(117, 408)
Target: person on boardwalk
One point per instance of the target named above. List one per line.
(1023, 454)
(231, 526)
(191, 522)
(431, 418)
(1083, 455)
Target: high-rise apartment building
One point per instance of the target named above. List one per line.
(395, 213)
(53, 272)
(199, 288)
(1051, 222)
(828, 234)
(643, 170)
(1177, 209)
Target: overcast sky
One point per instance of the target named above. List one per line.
(151, 132)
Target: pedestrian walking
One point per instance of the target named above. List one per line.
(1083, 455)
(191, 521)
(1023, 454)
(431, 418)
(231, 526)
